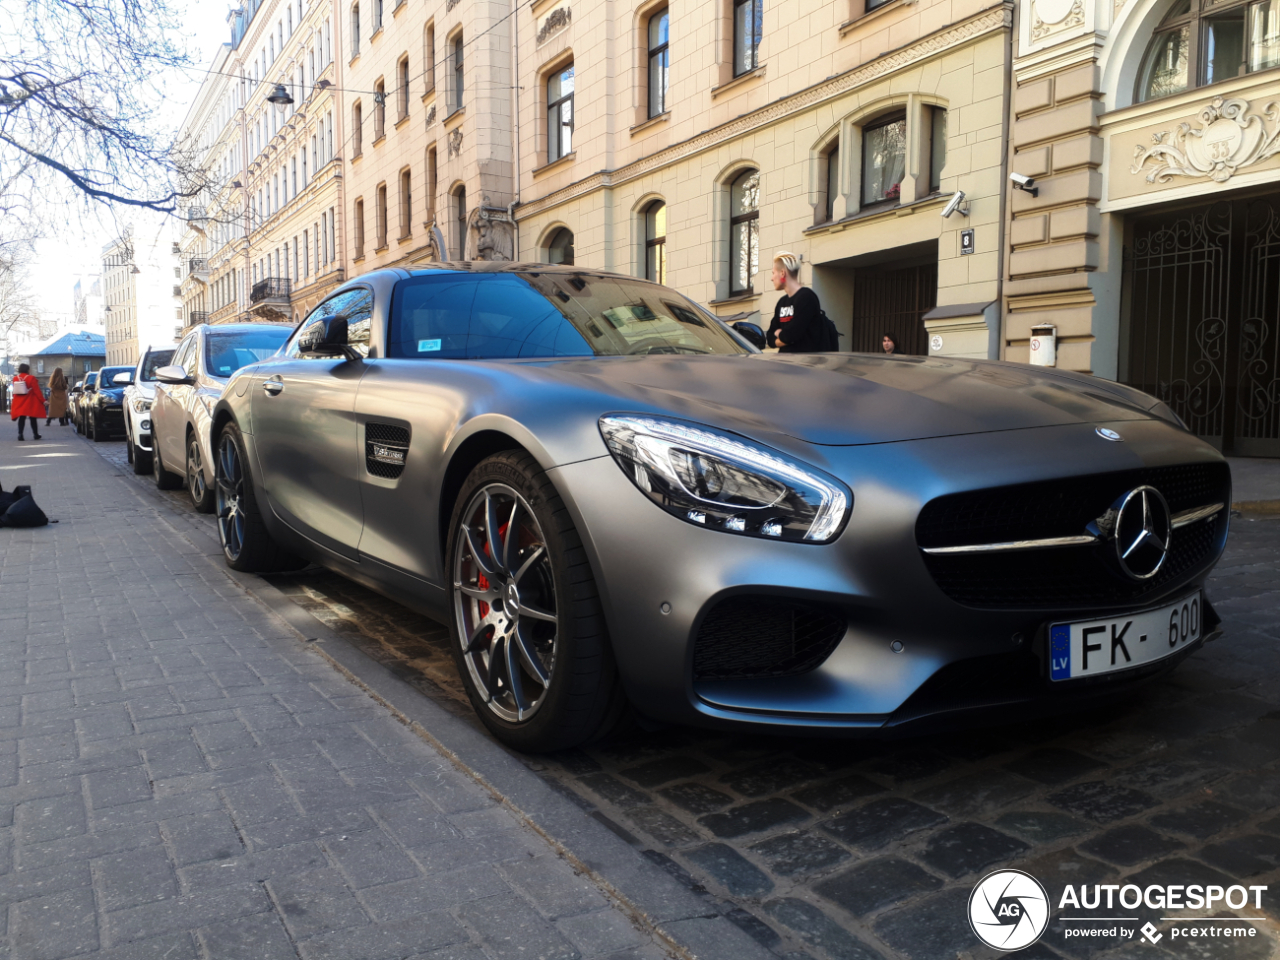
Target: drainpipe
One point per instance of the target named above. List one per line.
(1006, 212)
(515, 126)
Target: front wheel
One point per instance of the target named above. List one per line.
(528, 633)
(197, 488)
(246, 544)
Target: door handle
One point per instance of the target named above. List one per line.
(272, 387)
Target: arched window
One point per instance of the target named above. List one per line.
(357, 138)
(381, 214)
(460, 221)
(429, 54)
(406, 204)
(831, 160)
(1200, 42)
(744, 231)
(655, 242)
(379, 111)
(560, 247)
(884, 159)
(659, 61)
(560, 113)
(458, 84)
(355, 30)
(357, 228)
(402, 75)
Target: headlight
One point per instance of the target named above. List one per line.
(719, 480)
(141, 405)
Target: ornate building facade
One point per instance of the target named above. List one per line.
(1152, 245)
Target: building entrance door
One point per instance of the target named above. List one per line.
(893, 300)
(1202, 312)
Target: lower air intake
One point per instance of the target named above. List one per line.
(753, 638)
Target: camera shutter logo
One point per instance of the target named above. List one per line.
(1009, 910)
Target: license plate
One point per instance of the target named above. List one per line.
(1093, 647)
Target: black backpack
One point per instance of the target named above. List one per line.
(828, 335)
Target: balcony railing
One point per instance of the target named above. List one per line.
(272, 288)
(199, 316)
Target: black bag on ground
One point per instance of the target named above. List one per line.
(23, 512)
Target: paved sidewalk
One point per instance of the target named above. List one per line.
(181, 776)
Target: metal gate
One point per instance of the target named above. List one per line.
(1202, 292)
(893, 301)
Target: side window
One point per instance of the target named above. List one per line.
(431, 318)
(511, 319)
(191, 356)
(356, 305)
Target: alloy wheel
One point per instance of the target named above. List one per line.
(195, 471)
(505, 603)
(228, 497)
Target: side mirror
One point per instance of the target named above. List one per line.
(751, 333)
(172, 374)
(123, 378)
(327, 338)
(90, 387)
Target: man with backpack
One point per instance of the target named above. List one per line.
(798, 325)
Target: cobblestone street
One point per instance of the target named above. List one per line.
(848, 850)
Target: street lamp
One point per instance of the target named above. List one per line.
(280, 96)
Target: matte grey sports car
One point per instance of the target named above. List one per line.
(623, 509)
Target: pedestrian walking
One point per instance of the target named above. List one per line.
(57, 397)
(797, 325)
(28, 401)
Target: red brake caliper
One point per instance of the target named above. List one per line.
(482, 582)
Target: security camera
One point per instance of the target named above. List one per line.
(956, 205)
(1028, 184)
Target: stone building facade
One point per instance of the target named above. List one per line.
(1152, 129)
(722, 132)
(141, 278)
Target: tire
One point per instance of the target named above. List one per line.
(129, 450)
(579, 696)
(141, 459)
(197, 489)
(164, 479)
(246, 544)
(99, 435)
(76, 421)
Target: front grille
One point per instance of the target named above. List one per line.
(386, 448)
(752, 637)
(1065, 577)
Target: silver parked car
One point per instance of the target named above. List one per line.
(618, 504)
(138, 397)
(185, 393)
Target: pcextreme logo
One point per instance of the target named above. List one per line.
(1009, 910)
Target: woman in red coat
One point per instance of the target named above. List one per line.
(29, 404)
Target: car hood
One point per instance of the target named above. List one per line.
(112, 396)
(845, 399)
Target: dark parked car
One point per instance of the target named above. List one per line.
(617, 502)
(80, 400)
(103, 411)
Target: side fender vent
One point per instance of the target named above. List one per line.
(386, 448)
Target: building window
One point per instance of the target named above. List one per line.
(460, 221)
(884, 160)
(433, 175)
(406, 204)
(560, 113)
(429, 55)
(655, 242)
(377, 15)
(357, 229)
(380, 213)
(402, 75)
(379, 111)
(560, 247)
(832, 163)
(748, 19)
(1200, 42)
(659, 61)
(744, 232)
(355, 30)
(937, 146)
(357, 127)
(457, 73)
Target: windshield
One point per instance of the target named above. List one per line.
(449, 315)
(225, 353)
(107, 377)
(155, 360)
(90, 379)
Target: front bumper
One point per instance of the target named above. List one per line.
(910, 656)
(110, 419)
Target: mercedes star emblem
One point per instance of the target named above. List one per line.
(1142, 531)
(1106, 433)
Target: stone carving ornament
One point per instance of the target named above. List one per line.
(1051, 16)
(556, 21)
(455, 142)
(1229, 138)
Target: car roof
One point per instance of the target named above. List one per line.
(244, 327)
(506, 266)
